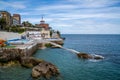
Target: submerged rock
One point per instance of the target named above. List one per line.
(88, 56)
(45, 69)
(29, 62)
(40, 68)
(84, 56)
(9, 63)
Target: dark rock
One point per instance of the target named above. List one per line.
(42, 68)
(88, 56)
(84, 56)
(45, 69)
(9, 54)
(29, 62)
(9, 63)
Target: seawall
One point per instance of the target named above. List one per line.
(8, 54)
(27, 50)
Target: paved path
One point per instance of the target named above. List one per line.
(9, 35)
(71, 50)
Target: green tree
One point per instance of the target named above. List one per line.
(2, 23)
(51, 33)
(58, 32)
(27, 24)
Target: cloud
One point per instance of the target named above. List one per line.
(95, 3)
(24, 13)
(33, 20)
(15, 4)
(56, 7)
(105, 28)
(71, 16)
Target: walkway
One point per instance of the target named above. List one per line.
(57, 45)
(71, 50)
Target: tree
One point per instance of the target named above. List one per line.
(2, 23)
(23, 23)
(58, 32)
(27, 24)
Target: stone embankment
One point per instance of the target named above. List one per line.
(7, 54)
(11, 56)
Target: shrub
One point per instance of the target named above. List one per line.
(48, 45)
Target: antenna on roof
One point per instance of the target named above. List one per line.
(42, 21)
(42, 17)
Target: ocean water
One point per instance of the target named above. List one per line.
(73, 68)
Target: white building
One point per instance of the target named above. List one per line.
(55, 35)
(33, 35)
(45, 33)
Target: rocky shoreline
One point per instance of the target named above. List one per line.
(40, 68)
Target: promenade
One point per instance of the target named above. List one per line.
(9, 35)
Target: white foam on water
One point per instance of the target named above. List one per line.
(95, 55)
(96, 60)
(93, 60)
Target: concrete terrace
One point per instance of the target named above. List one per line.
(31, 46)
(9, 35)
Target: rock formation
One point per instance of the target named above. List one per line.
(89, 56)
(44, 69)
(40, 68)
(10, 54)
(84, 56)
(29, 62)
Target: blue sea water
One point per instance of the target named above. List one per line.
(73, 68)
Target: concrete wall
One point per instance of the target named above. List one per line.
(31, 50)
(8, 54)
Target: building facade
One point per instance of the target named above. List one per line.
(55, 35)
(7, 16)
(10, 20)
(43, 25)
(45, 33)
(15, 22)
(44, 29)
(16, 19)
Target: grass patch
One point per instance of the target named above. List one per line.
(20, 32)
(9, 46)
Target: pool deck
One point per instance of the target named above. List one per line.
(9, 35)
(26, 45)
(32, 46)
(29, 47)
(35, 42)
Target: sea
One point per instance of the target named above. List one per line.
(70, 66)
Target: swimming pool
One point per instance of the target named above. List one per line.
(18, 41)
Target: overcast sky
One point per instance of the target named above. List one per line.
(70, 16)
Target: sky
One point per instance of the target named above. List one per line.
(69, 16)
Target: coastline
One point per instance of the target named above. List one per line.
(21, 55)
